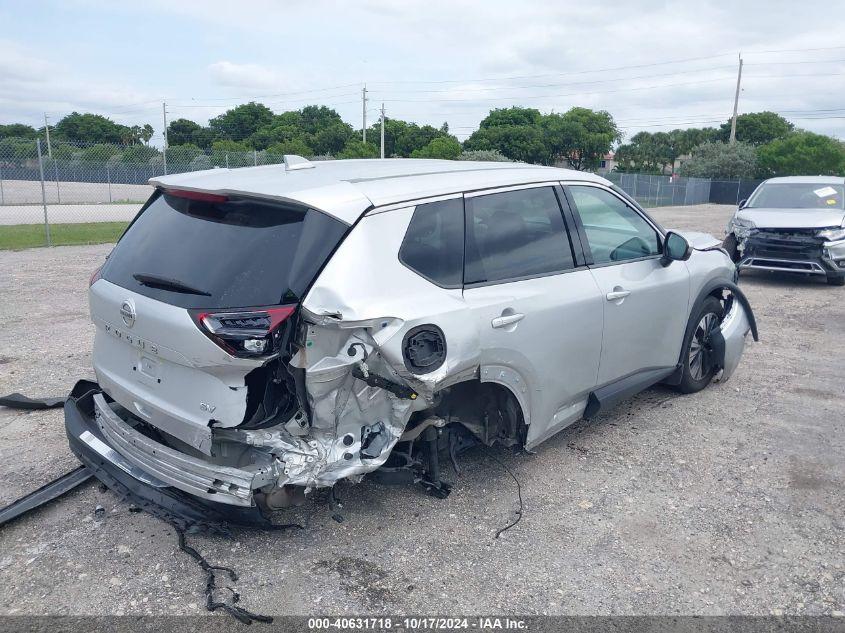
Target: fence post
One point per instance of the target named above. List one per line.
(108, 179)
(43, 192)
(657, 197)
(164, 154)
(227, 160)
(2, 195)
(255, 157)
(738, 187)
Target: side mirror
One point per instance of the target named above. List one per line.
(742, 202)
(675, 248)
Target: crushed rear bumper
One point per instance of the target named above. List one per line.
(131, 481)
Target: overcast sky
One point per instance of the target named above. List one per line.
(429, 61)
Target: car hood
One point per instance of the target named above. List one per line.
(793, 218)
(699, 241)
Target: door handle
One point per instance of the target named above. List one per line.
(504, 321)
(618, 293)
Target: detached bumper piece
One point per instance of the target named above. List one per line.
(94, 430)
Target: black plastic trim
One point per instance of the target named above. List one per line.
(612, 394)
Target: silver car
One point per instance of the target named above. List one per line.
(265, 331)
(794, 224)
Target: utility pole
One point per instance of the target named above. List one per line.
(47, 131)
(364, 113)
(382, 130)
(164, 118)
(736, 102)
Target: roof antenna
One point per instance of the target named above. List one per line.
(292, 162)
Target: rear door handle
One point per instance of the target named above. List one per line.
(504, 321)
(617, 294)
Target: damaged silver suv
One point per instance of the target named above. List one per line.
(795, 225)
(265, 331)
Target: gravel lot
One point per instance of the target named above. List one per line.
(724, 502)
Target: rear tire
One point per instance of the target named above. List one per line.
(698, 363)
(836, 281)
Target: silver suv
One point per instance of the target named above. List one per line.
(794, 224)
(265, 331)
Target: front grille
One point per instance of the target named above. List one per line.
(780, 245)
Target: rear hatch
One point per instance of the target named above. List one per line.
(200, 291)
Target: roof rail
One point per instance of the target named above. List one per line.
(292, 161)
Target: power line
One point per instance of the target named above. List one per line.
(574, 94)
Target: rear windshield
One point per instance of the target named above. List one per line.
(233, 254)
(782, 195)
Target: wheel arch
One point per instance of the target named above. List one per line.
(713, 288)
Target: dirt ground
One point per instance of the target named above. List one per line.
(728, 501)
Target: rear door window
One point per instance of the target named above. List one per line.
(434, 243)
(515, 234)
(223, 254)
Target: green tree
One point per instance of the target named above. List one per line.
(180, 131)
(17, 130)
(242, 121)
(182, 154)
(90, 128)
(524, 143)
(721, 160)
(580, 136)
(757, 128)
(357, 148)
(446, 147)
(294, 146)
(139, 155)
(331, 138)
(99, 153)
(515, 116)
(802, 154)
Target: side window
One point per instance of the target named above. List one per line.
(434, 243)
(615, 232)
(515, 234)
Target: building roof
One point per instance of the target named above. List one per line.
(347, 188)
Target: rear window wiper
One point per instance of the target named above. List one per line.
(165, 283)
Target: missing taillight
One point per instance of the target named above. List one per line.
(248, 332)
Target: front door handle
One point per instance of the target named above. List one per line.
(504, 321)
(617, 294)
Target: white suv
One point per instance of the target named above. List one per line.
(268, 330)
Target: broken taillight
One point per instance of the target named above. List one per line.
(248, 332)
(95, 276)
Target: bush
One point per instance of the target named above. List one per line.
(443, 147)
(484, 154)
(721, 160)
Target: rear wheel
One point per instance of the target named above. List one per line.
(698, 358)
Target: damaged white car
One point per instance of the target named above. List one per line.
(794, 224)
(265, 331)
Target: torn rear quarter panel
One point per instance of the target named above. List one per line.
(353, 320)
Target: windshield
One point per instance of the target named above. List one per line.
(231, 254)
(783, 195)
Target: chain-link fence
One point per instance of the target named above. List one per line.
(63, 183)
(71, 193)
(652, 190)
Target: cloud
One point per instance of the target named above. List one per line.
(249, 76)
